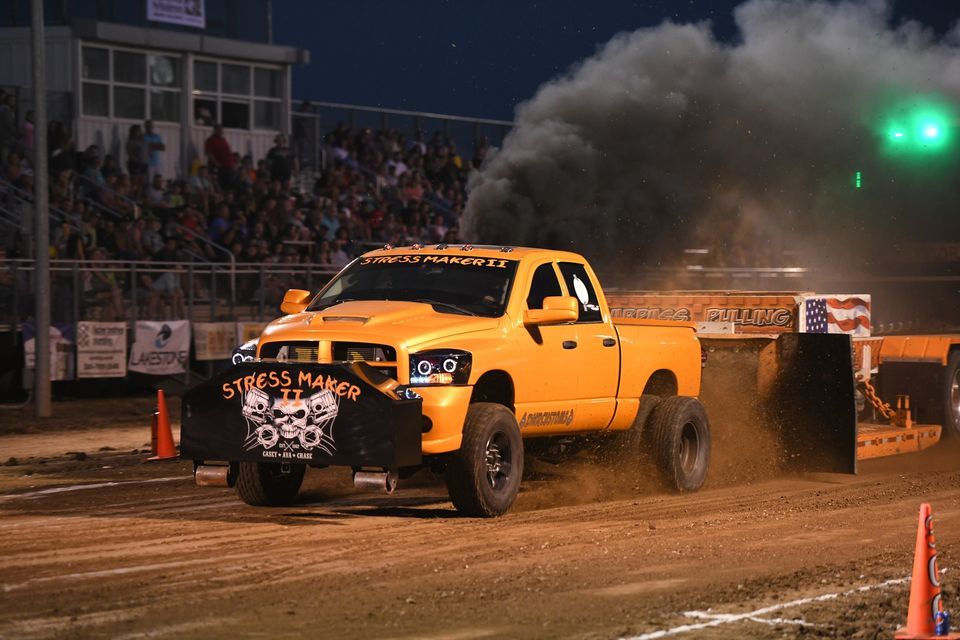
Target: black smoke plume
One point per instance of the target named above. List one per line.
(668, 138)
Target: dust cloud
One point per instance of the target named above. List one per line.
(668, 138)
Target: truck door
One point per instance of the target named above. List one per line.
(546, 377)
(597, 354)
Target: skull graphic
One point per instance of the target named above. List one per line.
(255, 405)
(324, 405)
(289, 416)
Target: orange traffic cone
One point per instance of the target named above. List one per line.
(162, 435)
(926, 618)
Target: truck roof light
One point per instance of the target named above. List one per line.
(466, 247)
(442, 246)
(386, 247)
(416, 247)
(506, 249)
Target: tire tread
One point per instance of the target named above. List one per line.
(465, 474)
(664, 437)
(258, 489)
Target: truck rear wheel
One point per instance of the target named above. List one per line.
(483, 477)
(679, 435)
(264, 484)
(951, 396)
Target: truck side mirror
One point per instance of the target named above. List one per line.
(556, 310)
(295, 301)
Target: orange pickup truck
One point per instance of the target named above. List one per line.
(454, 357)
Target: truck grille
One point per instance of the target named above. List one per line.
(294, 351)
(359, 351)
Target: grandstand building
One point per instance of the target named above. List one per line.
(104, 76)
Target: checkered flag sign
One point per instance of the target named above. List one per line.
(83, 335)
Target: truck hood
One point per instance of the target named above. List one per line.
(408, 323)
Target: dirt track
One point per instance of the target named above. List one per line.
(99, 544)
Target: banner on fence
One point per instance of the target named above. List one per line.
(189, 13)
(214, 340)
(101, 349)
(61, 349)
(247, 331)
(160, 348)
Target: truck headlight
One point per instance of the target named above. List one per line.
(440, 366)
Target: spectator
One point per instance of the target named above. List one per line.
(154, 146)
(13, 167)
(156, 195)
(26, 135)
(68, 244)
(138, 159)
(220, 156)
(60, 152)
(152, 237)
(110, 168)
(8, 124)
(163, 289)
(62, 189)
(338, 255)
(280, 160)
(220, 225)
(175, 198)
(101, 289)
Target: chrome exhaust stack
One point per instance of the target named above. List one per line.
(385, 481)
(207, 475)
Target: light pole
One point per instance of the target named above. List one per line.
(41, 371)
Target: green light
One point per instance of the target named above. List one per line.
(920, 126)
(857, 180)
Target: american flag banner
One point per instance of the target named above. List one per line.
(848, 314)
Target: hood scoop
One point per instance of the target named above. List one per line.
(357, 319)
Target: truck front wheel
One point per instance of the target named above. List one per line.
(679, 435)
(483, 477)
(264, 484)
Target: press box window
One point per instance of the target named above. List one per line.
(579, 286)
(96, 63)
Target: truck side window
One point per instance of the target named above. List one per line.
(543, 284)
(579, 286)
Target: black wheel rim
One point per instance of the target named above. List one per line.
(498, 461)
(689, 448)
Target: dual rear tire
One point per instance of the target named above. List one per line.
(677, 434)
(263, 484)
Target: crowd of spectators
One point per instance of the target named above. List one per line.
(376, 187)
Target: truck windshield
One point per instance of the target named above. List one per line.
(455, 284)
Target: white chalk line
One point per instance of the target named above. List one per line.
(769, 621)
(83, 487)
(727, 618)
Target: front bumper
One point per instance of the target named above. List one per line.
(316, 414)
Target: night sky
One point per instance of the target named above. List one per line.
(481, 58)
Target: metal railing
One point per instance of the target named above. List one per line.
(96, 189)
(210, 291)
(127, 290)
(202, 291)
(25, 199)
